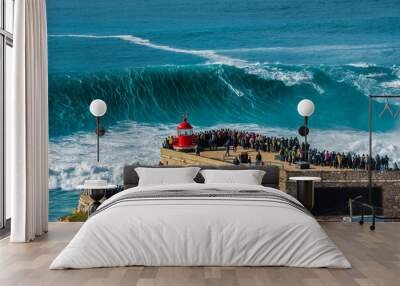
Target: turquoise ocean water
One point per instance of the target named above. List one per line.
(243, 64)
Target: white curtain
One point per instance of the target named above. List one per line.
(27, 123)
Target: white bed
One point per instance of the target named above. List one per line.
(206, 230)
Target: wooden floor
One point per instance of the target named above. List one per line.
(375, 257)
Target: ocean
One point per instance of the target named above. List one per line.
(238, 64)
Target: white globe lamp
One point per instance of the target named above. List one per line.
(305, 108)
(98, 108)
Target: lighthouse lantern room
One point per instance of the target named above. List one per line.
(186, 139)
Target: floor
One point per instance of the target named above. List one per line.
(375, 256)
(5, 231)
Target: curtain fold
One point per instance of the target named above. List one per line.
(27, 119)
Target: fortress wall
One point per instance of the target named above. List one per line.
(389, 181)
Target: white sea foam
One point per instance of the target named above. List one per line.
(305, 49)
(361, 65)
(289, 78)
(234, 90)
(395, 84)
(364, 83)
(210, 55)
(375, 75)
(214, 55)
(73, 158)
(396, 70)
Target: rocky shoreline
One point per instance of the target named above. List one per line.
(80, 214)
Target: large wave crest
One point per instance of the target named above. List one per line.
(213, 93)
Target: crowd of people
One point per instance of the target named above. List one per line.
(288, 149)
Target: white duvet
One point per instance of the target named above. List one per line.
(200, 231)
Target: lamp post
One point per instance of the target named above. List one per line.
(98, 108)
(306, 109)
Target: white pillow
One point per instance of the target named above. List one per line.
(247, 177)
(166, 176)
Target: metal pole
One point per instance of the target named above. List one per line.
(305, 139)
(98, 137)
(370, 153)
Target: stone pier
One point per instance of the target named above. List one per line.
(387, 181)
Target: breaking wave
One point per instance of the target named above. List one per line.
(224, 89)
(215, 93)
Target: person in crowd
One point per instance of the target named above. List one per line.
(236, 161)
(363, 162)
(339, 160)
(281, 155)
(386, 162)
(227, 146)
(235, 142)
(258, 158)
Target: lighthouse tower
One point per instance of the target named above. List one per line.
(186, 140)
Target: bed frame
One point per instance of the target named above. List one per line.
(270, 179)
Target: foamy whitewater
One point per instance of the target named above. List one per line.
(132, 142)
(229, 64)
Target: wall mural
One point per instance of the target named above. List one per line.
(226, 64)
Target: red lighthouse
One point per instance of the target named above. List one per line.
(186, 139)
